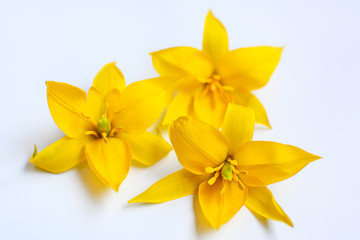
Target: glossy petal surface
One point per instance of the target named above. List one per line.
(261, 201)
(62, 155)
(95, 104)
(143, 102)
(197, 144)
(66, 104)
(220, 202)
(109, 161)
(272, 162)
(238, 126)
(146, 147)
(108, 78)
(176, 185)
(215, 40)
(181, 105)
(182, 61)
(210, 107)
(247, 99)
(249, 68)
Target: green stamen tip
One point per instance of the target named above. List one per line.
(103, 125)
(226, 171)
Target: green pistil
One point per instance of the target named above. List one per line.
(226, 171)
(103, 125)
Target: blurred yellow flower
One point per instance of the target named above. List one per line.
(214, 76)
(226, 168)
(108, 127)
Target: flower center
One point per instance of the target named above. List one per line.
(103, 127)
(213, 85)
(228, 172)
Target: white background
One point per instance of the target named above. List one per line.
(312, 101)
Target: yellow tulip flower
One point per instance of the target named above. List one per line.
(226, 168)
(108, 127)
(214, 76)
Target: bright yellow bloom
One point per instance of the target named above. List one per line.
(108, 127)
(214, 76)
(226, 168)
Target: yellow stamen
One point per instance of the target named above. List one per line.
(233, 162)
(92, 133)
(213, 179)
(114, 131)
(211, 170)
(104, 136)
(227, 88)
(236, 178)
(216, 77)
(234, 169)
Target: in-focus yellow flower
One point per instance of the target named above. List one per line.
(214, 76)
(108, 127)
(226, 168)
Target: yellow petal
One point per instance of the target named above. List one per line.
(215, 40)
(247, 99)
(143, 102)
(238, 126)
(108, 78)
(95, 104)
(109, 161)
(181, 105)
(250, 180)
(197, 144)
(66, 104)
(221, 201)
(182, 61)
(261, 201)
(176, 185)
(272, 162)
(62, 155)
(210, 107)
(113, 101)
(249, 68)
(146, 147)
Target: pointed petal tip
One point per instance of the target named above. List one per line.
(315, 157)
(215, 227)
(111, 64)
(289, 222)
(154, 53)
(115, 188)
(266, 124)
(137, 199)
